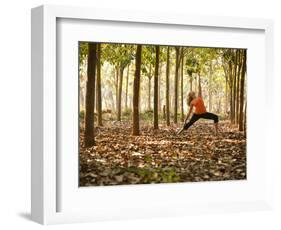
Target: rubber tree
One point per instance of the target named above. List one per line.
(242, 119)
(90, 95)
(98, 90)
(168, 87)
(176, 86)
(156, 82)
(136, 92)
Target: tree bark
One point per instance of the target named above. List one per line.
(245, 120)
(155, 109)
(240, 63)
(234, 87)
(199, 83)
(190, 82)
(176, 87)
(210, 86)
(182, 112)
(168, 87)
(99, 100)
(226, 98)
(149, 88)
(136, 93)
(231, 91)
(164, 112)
(127, 83)
(116, 86)
(120, 93)
(159, 81)
(226, 90)
(242, 85)
(90, 95)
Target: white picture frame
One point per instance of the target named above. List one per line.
(46, 165)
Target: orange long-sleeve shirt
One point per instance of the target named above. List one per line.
(198, 103)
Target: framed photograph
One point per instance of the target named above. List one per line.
(146, 114)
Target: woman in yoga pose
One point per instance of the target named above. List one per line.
(200, 111)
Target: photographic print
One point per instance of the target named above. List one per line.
(161, 114)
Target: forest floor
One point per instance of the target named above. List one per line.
(161, 156)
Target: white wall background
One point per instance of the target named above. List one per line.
(15, 113)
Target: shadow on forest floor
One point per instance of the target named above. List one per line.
(161, 156)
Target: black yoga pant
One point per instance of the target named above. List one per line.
(196, 117)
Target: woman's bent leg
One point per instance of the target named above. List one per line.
(213, 117)
(210, 116)
(193, 119)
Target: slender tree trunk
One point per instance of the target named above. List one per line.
(210, 86)
(155, 109)
(231, 91)
(149, 93)
(226, 98)
(196, 82)
(136, 93)
(99, 102)
(245, 120)
(226, 90)
(159, 82)
(176, 86)
(82, 98)
(116, 86)
(127, 83)
(199, 81)
(149, 88)
(168, 87)
(90, 95)
(190, 82)
(164, 112)
(234, 88)
(242, 85)
(120, 93)
(238, 87)
(182, 73)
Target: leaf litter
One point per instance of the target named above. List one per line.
(161, 156)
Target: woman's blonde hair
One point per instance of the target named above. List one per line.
(191, 95)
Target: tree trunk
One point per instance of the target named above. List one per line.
(116, 86)
(159, 82)
(155, 109)
(190, 82)
(99, 102)
(238, 87)
(226, 91)
(90, 95)
(210, 86)
(226, 98)
(149, 88)
(127, 83)
(136, 93)
(242, 85)
(182, 73)
(168, 87)
(245, 120)
(196, 82)
(176, 86)
(149, 93)
(234, 88)
(199, 81)
(120, 93)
